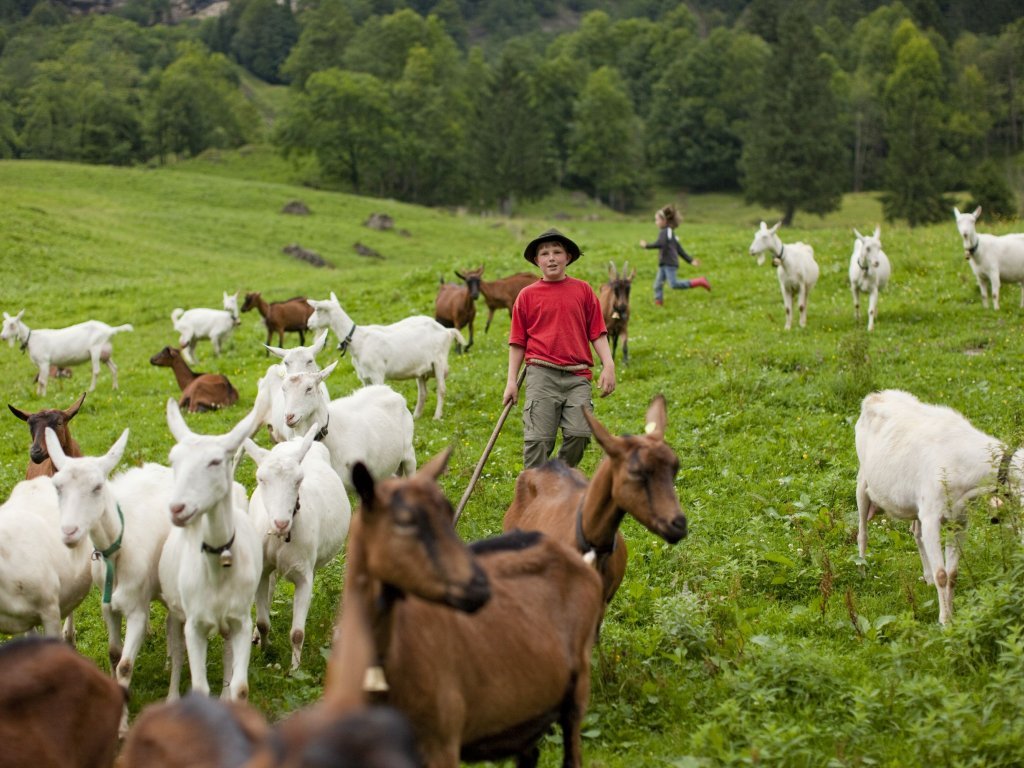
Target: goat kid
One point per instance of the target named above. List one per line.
(488, 684)
(994, 259)
(869, 272)
(57, 420)
(372, 425)
(68, 346)
(57, 709)
(413, 348)
(455, 305)
(923, 463)
(502, 293)
(614, 297)
(280, 316)
(213, 558)
(216, 325)
(125, 520)
(292, 477)
(199, 391)
(795, 267)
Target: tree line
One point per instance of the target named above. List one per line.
(787, 101)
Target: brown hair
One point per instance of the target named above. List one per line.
(670, 214)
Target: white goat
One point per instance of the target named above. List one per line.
(924, 463)
(268, 394)
(292, 477)
(869, 272)
(213, 558)
(203, 323)
(41, 580)
(795, 266)
(413, 348)
(126, 521)
(994, 259)
(62, 347)
(372, 425)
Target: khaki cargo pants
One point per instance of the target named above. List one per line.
(555, 399)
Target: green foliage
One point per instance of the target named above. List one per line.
(327, 28)
(990, 189)
(267, 30)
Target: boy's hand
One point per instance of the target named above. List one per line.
(511, 394)
(695, 262)
(606, 381)
(643, 243)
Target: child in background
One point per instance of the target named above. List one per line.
(669, 251)
(554, 323)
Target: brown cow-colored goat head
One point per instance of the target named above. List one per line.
(55, 419)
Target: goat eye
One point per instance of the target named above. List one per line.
(97, 489)
(215, 463)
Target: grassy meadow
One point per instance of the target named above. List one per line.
(758, 639)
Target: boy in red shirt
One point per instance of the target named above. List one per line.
(554, 323)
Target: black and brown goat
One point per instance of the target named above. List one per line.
(502, 293)
(636, 477)
(57, 420)
(455, 305)
(290, 315)
(199, 391)
(57, 709)
(614, 298)
(480, 685)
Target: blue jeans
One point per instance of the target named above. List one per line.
(667, 275)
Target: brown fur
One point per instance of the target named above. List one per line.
(57, 709)
(199, 391)
(502, 293)
(483, 685)
(455, 305)
(57, 420)
(614, 299)
(636, 477)
(280, 316)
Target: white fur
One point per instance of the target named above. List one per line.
(41, 579)
(924, 463)
(372, 425)
(795, 266)
(200, 592)
(89, 505)
(63, 347)
(268, 394)
(296, 475)
(994, 259)
(413, 348)
(869, 272)
(203, 323)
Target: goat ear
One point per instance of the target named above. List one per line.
(437, 466)
(632, 275)
(53, 447)
(318, 345)
(70, 412)
(857, 234)
(878, 232)
(776, 227)
(307, 441)
(460, 275)
(656, 418)
(18, 316)
(611, 444)
(113, 456)
(334, 298)
(325, 372)
(977, 213)
(364, 485)
(176, 422)
(764, 226)
(245, 428)
(276, 351)
(612, 272)
(256, 452)
(19, 413)
(956, 211)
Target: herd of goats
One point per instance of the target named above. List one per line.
(443, 651)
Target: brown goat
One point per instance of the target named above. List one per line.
(199, 391)
(455, 305)
(57, 420)
(636, 477)
(280, 316)
(486, 685)
(57, 709)
(502, 293)
(614, 298)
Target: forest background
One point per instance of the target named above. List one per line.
(486, 105)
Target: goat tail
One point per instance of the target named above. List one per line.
(125, 327)
(176, 314)
(456, 336)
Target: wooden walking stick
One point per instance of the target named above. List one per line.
(487, 450)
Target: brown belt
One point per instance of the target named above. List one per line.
(567, 368)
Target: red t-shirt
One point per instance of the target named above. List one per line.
(556, 321)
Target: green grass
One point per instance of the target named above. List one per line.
(757, 640)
